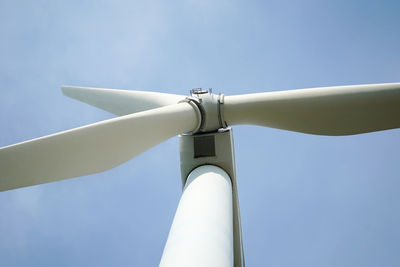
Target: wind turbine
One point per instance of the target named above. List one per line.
(206, 229)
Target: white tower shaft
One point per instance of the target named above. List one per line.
(202, 231)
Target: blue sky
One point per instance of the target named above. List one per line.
(305, 200)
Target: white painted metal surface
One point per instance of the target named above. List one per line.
(202, 231)
(338, 110)
(121, 102)
(91, 148)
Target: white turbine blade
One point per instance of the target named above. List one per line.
(121, 102)
(338, 110)
(92, 148)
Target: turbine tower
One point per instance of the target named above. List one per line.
(206, 230)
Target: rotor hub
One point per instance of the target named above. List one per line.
(209, 107)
